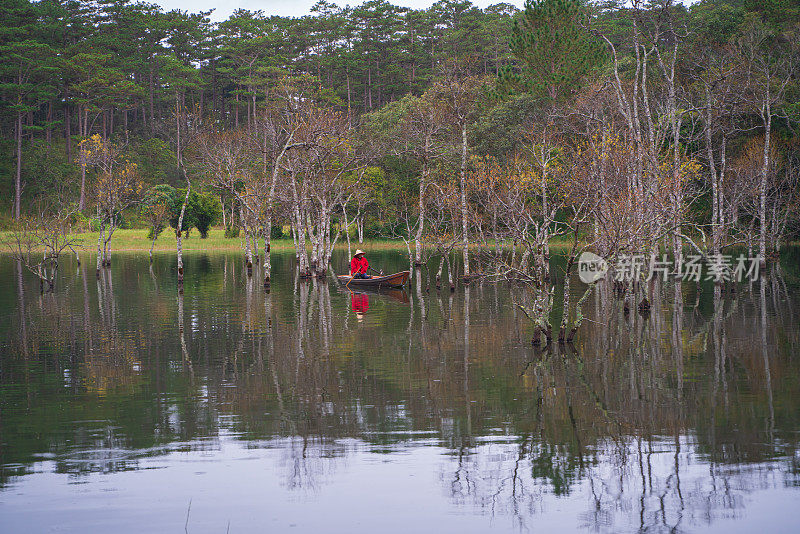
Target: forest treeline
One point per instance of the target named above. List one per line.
(74, 68)
(633, 127)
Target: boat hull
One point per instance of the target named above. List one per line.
(391, 280)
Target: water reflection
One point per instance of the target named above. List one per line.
(359, 302)
(668, 420)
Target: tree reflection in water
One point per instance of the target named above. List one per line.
(663, 421)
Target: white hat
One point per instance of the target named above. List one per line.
(358, 251)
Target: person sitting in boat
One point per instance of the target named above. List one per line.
(359, 265)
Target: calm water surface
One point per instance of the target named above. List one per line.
(125, 407)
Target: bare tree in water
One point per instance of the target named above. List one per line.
(459, 96)
(118, 187)
(37, 241)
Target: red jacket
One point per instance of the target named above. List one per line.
(358, 265)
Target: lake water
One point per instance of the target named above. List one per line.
(125, 407)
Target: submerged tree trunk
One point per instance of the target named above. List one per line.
(267, 245)
(762, 185)
(423, 185)
(716, 183)
(293, 231)
(106, 246)
(450, 275)
(100, 259)
(248, 253)
(300, 231)
(255, 245)
(579, 313)
(562, 332)
(152, 245)
(464, 220)
(178, 234)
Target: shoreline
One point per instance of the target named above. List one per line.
(135, 240)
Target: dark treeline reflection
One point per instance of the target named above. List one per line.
(667, 419)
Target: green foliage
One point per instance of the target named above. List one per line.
(778, 14)
(206, 210)
(401, 177)
(175, 212)
(81, 221)
(154, 233)
(232, 231)
(554, 49)
(47, 173)
(202, 211)
(382, 127)
(373, 185)
(155, 161)
(502, 129)
(156, 208)
(123, 70)
(713, 23)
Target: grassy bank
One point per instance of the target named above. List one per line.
(136, 241)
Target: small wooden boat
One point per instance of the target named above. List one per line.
(390, 280)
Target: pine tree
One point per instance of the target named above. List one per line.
(554, 47)
(26, 74)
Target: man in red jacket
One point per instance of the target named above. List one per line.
(359, 265)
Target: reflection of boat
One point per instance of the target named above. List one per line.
(391, 280)
(393, 293)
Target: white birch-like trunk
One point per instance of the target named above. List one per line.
(267, 251)
(544, 253)
(255, 244)
(152, 245)
(178, 232)
(107, 243)
(100, 247)
(347, 231)
(762, 186)
(423, 185)
(300, 231)
(439, 272)
(715, 185)
(464, 220)
(248, 252)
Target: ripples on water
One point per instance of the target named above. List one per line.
(314, 410)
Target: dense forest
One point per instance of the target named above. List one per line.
(633, 127)
(72, 69)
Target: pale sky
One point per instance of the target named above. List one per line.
(290, 7)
